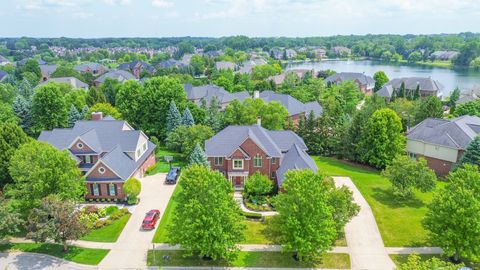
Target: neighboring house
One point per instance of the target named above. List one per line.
(137, 67)
(170, 63)
(442, 142)
(341, 51)
(428, 86)
(296, 109)
(444, 55)
(320, 53)
(23, 61)
(4, 61)
(240, 151)
(107, 151)
(3, 75)
(224, 65)
(469, 95)
(290, 53)
(280, 78)
(95, 69)
(213, 54)
(246, 67)
(276, 53)
(118, 75)
(197, 94)
(186, 59)
(47, 71)
(74, 82)
(365, 83)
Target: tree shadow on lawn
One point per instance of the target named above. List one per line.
(387, 197)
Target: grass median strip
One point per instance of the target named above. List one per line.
(80, 255)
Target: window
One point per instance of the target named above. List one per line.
(145, 147)
(273, 175)
(88, 159)
(412, 156)
(101, 170)
(112, 191)
(79, 145)
(273, 160)
(257, 161)
(95, 190)
(138, 153)
(238, 164)
(218, 161)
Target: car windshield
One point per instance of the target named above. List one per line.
(171, 174)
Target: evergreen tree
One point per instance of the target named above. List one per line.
(213, 116)
(198, 157)
(394, 96)
(401, 92)
(23, 110)
(94, 96)
(472, 153)
(73, 116)
(84, 111)
(454, 97)
(187, 119)
(25, 89)
(416, 95)
(174, 119)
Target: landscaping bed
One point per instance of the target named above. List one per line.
(75, 254)
(247, 259)
(105, 224)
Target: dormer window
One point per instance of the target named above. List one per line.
(79, 145)
(101, 170)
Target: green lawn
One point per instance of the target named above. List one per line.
(161, 232)
(109, 233)
(247, 259)
(399, 222)
(75, 254)
(162, 166)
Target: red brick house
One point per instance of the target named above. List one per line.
(107, 151)
(95, 69)
(240, 151)
(365, 83)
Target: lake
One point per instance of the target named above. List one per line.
(450, 78)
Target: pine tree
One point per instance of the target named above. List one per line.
(25, 89)
(213, 117)
(416, 95)
(472, 153)
(84, 112)
(394, 96)
(198, 157)
(174, 119)
(187, 119)
(23, 110)
(73, 116)
(401, 92)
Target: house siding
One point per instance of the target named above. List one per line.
(103, 186)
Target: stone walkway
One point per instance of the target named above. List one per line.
(239, 198)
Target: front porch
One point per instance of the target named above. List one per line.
(237, 179)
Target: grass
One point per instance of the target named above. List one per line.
(399, 222)
(109, 233)
(402, 258)
(161, 234)
(247, 259)
(162, 166)
(75, 254)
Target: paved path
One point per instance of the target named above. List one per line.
(34, 261)
(239, 198)
(365, 243)
(130, 250)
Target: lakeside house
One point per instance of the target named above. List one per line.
(365, 83)
(442, 142)
(427, 86)
(107, 152)
(240, 151)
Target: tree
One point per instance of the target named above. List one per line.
(39, 170)
(73, 116)
(11, 220)
(257, 187)
(380, 80)
(31, 65)
(406, 174)
(174, 119)
(106, 109)
(7, 115)
(344, 207)
(430, 106)
(76, 97)
(183, 139)
(213, 116)
(402, 91)
(414, 57)
(405, 109)
(23, 110)
(7, 93)
(109, 88)
(207, 221)
(55, 219)
(132, 188)
(414, 262)
(84, 111)
(25, 89)
(452, 218)
(305, 221)
(198, 157)
(472, 153)
(468, 108)
(11, 138)
(187, 118)
(128, 102)
(273, 116)
(49, 109)
(454, 96)
(63, 71)
(94, 96)
(382, 140)
(416, 95)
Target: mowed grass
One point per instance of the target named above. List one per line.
(162, 166)
(161, 234)
(399, 222)
(247, 259)
(109, 233)
(75, 254)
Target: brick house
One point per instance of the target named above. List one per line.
(365, 83)
(118, 75)
(427, 86)
(95, 69)
(137, 67)
(240, 151)
(442, 142)
(107, 151)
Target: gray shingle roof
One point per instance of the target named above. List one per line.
(206, 92)
(293, 105)
(4, 60)
(170, 63)
(119, 75)
(131, 65)
(3, 75)
(456, 133)
(351, 76)
(426, 84)
(48, 69)
(295, 159)
(224, 65)
(88, 66)
(74, 82)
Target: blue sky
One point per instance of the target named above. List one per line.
(214, 18)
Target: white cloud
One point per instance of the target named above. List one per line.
(118, 2)
(162, 3)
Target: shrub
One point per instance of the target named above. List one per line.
(257, 187)
(110, 209)
(132, 188)
(108, 222)
(119, 214)
(252, 215)
(102, 212)
(99, 224)
(150, 169)
(90, 209)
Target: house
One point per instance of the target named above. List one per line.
(118, 75)
(240, 151)
(365, 83)
(341, 51)
(320, 53)
(276, 53)
(428, 86)
(4, 61)
(280, 78)
(47, 71)
(197, 94)
(469, 95)
(444, 55)
(3, 75)
(246, 67)
(107, 151)
(186, 59)
(95, 69)
(442, 142)
(290, 53)
(170, 63)
(72, 81)
(296, 109)
(224, 65)
(137, 67)
(23, 61)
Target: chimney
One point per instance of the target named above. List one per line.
(97, 116)
(256, 94)
(259, 121)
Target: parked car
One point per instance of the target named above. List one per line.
(150, 219)
(173, 175)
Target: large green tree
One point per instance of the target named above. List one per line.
(106, 109)
(174, 118)
(49, 108)
(128, 102)
(430, 106)
(11, 220)
(207, 221)
(380, 79)
(415, 262)
(198, 157)
(183, 139)
(11, 138)
(472, 153)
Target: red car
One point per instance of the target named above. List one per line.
(150, 219)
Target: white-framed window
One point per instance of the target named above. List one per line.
(138, 153)
(95, 189)
(273, 160)
(101, 170)
(257, 161)
(218, 161)
(238, 164)
(112, 191)
(145, 147)
(88, 159)
(79, 145)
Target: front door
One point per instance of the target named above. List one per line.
(238, 181)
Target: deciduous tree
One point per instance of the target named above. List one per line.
(106, 109)
(49, 108)
(11, 138)
(132, 188)
(380, 80)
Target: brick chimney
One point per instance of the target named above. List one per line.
(97, 116)
(256, 94)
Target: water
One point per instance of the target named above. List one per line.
(450, 78)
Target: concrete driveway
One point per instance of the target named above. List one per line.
(130, 250)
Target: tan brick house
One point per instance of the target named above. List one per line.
(107, 151)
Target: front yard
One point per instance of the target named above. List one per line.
(108, 233)
(398, 222)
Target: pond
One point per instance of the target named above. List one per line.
(450, 78)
